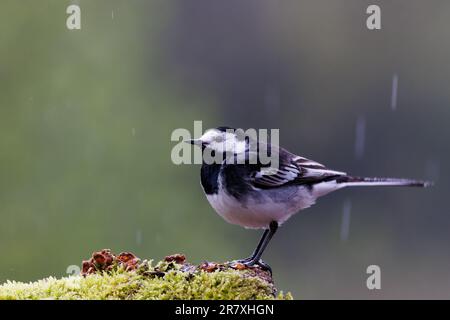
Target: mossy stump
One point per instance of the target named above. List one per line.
(124, 276)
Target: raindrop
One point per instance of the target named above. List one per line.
(112, 14)
(345, 223)
(133, 131)
(360, 137)
(394, 92)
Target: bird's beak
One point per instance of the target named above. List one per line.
(197, 142)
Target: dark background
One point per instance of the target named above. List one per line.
(86, 118)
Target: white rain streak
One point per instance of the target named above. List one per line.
(394, 92)
(112, 14)
(138, 237)
(133, 131)
(345, 223)
(360, 137)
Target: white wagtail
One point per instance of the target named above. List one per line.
(250, 195)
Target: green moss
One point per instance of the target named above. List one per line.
(171, 283)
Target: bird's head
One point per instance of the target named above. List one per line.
(222, 140)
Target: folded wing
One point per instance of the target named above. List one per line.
(292, 169)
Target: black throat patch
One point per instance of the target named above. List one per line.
(209, 175)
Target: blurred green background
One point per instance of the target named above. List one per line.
(86, 117)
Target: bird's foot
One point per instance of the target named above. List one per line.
(243, 261)
(249, 262)
(264, 266)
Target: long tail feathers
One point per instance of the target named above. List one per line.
(358, 181)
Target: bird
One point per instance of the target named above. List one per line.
(257, 195)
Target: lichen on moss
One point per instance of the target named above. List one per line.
(169, 279)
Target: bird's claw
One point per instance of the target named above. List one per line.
(248, 262)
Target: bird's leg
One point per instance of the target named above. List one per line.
(267, 236)
(258, 247)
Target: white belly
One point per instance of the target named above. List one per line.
(259, 211)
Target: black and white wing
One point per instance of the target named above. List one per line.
(292, 169)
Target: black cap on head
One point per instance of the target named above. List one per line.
(224, 129)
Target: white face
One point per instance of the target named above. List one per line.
(222, 142)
